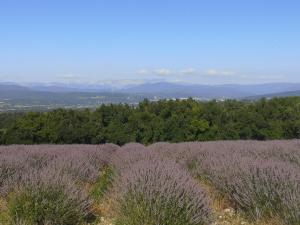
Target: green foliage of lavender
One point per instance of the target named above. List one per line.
(103, 183)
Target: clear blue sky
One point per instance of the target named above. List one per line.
(212, 41)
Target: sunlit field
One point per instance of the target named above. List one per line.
(193, 183)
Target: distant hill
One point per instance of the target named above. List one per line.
(212, 91)
(158, 88)
(65, 88)
(15, 96)
(13, 91)
(11, 87)
(264, 89)
(274, 95)
(175, 90)
(19, 98)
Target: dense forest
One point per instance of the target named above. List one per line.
(149, 122)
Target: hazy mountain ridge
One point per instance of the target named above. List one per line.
(274, 95)
(14, 96)
(159, 88)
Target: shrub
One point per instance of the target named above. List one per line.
(260, 189)
(156, 192)
(44, 198)
(260, 182)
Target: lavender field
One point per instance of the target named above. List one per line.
(194, 183)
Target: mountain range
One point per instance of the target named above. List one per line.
(169, 89)
(86, 95)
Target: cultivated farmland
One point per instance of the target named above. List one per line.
(192, 183)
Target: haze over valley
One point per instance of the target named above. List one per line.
(41, 96)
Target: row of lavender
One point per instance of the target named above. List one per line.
(261, 179)
(154, 190)
(46, 184)
(57, 185)
(151, 185)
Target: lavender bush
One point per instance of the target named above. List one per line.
(44, 197)
(260, 178)
(46, 184)
(81, 162)
(156, 191)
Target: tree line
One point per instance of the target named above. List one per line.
(149, 122)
